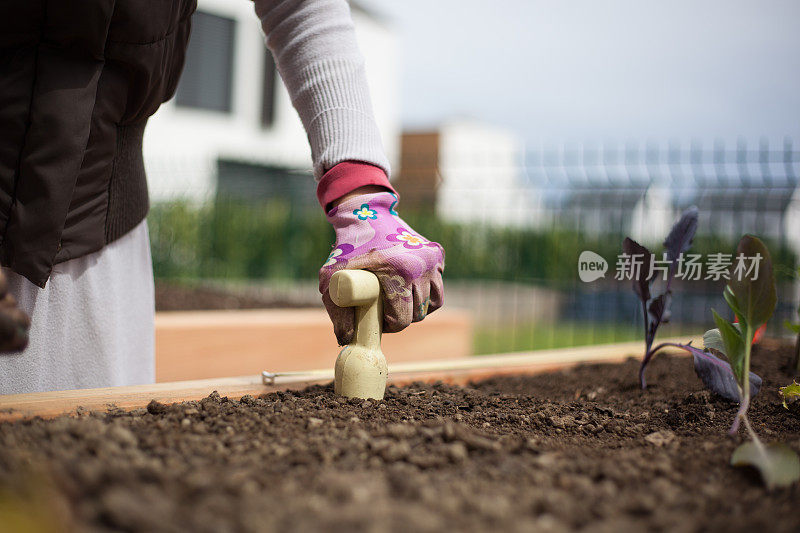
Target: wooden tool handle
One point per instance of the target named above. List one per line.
(360, 289)
(360, 370)
(349, 288)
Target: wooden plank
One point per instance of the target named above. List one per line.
(51, 404)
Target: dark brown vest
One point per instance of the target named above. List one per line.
(78, 81)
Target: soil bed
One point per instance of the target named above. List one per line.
(196, 296)
(580, 449)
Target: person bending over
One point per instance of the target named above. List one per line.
(78, 81)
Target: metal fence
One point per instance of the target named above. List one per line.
(513, 227)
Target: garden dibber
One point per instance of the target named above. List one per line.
(360, 370)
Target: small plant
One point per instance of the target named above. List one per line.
(790, 392)
(795, 327)
(655, 304)
(752, 298)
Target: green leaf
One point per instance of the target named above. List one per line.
(734, 345)
(755, 295)
(792, 327)
(778, 464)
(733, 303)
(790, 392)
(712, 340)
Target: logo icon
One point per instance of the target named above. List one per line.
(591, 266)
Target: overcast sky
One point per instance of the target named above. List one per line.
(603, 70)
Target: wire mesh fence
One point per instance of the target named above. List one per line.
(513, 228)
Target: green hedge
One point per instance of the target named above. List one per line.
(270, 240)
(237, 240)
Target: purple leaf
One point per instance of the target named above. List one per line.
(681, 235)
(657, 310)
(717, 374)
(642, 279)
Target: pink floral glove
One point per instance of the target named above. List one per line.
(370, 235)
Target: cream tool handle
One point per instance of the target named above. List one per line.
(360, 370)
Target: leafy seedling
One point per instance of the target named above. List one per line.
(655, 304)
(715, 373)
(790, 392)
(751, 296)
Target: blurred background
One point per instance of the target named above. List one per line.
(519, 135)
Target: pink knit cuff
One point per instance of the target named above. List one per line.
(348, 176)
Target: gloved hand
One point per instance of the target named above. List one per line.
(370, 235)
(14, 323)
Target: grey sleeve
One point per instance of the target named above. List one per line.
(314, 46)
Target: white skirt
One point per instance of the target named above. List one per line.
(91, 326)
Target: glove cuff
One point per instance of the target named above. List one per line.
(348, 176)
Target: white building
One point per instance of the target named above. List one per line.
(232, 119)
(470, 171)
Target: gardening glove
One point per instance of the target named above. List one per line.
(370, 235)
(14, 323)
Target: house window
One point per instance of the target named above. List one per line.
(207, 77)
(268, 91)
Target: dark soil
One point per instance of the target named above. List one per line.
(582, 449)
(174, 296)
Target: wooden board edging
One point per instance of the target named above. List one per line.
(458, 371)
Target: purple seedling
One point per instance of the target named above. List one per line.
(655, 306)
